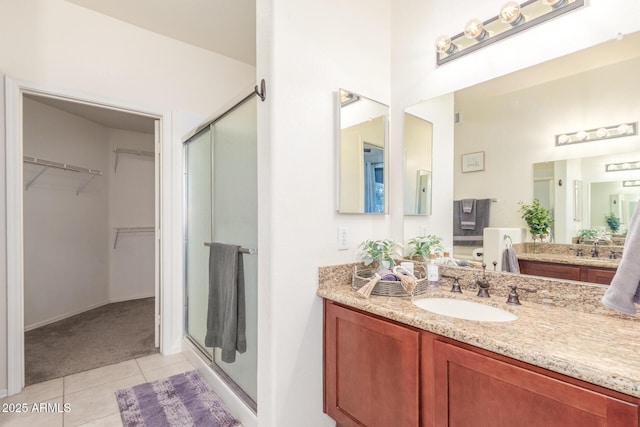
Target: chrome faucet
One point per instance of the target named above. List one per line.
(594, 250)
(483, 283)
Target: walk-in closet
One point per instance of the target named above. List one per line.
(90, 240)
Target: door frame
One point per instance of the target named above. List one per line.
(14, 91)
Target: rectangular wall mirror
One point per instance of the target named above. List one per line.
(418, 144)
(362, 154)
(517, 119)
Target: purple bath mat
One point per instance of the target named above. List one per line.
(181, 400)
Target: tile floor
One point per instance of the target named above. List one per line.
(88, 396)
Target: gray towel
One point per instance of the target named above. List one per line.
(624, 289)
(468, 214)
(226, 311)
(462, 237)
(510, 261)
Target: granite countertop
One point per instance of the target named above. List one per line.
(583, 342)
(587, 261)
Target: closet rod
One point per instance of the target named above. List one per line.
(46, 164)
(130, 151)
(250, 251)
(131, 230)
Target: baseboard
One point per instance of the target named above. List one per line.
(62, 316)
(131, 298)
(239, 410)
(82, 310)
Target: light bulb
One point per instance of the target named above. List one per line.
(510, 13)
(582, 135)
(475, 30)
(602, 132)
(444, 45)
(624, 129)
(563, 139)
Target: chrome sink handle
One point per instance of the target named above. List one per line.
(513, 298)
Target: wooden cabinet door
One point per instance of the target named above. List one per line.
(370, 370)
(546, 269)
(479, 391)
(601, 275)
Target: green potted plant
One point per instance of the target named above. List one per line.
(379, 252)
(588, 234)
(422, 246)
(613, 222)
(537, 217)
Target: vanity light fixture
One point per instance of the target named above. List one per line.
(512, 18)
(634, 183)
(347, 97)
(626, 166)
(606, 132)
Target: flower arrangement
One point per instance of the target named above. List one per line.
(425, 245)
(383, 252)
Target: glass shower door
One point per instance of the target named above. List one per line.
(222, 206)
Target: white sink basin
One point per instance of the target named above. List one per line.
(468, 310)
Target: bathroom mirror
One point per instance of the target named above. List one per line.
(514, 120)
(418, 145)
(362, 154)
(594, 190)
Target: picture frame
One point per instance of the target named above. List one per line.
(473, 162)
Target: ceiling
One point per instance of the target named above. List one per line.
(103, 116)
(227, 27)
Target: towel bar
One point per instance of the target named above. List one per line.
(250, 251)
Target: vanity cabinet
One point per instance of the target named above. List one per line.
(581, 273)
(382, 373)
(370, 370)
(480, 390)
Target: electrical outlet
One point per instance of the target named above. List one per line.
(423, 230)
(343, 238)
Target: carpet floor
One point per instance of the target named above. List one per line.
(103, 336)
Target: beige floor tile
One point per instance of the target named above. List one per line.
(37, 392)
(97, 402)
(167, 371)
(46, 413)
(109, 421)
(155, 361)
(105, 374)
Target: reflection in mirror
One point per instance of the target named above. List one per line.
(515, 119)
(606, 193)
(418, 144)
(362, 154)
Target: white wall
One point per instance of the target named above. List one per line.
(131, 204)
(317, 47)
(55, 44)
(65, 259)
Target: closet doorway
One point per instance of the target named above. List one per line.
(89, 229)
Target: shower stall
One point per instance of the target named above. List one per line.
(220, 205)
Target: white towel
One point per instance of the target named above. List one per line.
(624, 289)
